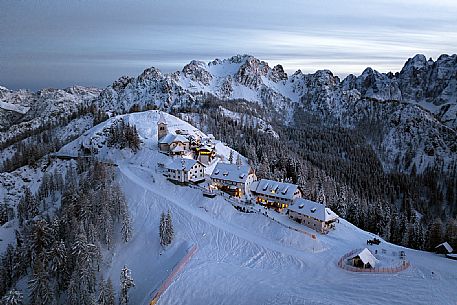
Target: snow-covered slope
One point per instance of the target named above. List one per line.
(246, 258)
(23, 111)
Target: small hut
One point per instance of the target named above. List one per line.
(444, 248)
(365, 259)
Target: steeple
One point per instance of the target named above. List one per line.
(162, 126)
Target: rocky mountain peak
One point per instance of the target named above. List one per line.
(122, 82)
(197, 71)
(277, 74)
(251, 72)
(151, 73)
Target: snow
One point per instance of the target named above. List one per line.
(245, 258)
(313, 209)
(231, 172)
(367, 257)
(447, 246)
(13, 107)
(279, 189)
(181, 164)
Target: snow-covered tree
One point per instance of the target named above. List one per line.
(27, 207)
(126, 226)
(169, 228)
(106, 293)
(12, 297)
(162, 230)
(126, 284)
(166, 230)
(41, 289)
(40, 241)
(230, 158)
(238, 160)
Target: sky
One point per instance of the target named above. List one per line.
(60, 43)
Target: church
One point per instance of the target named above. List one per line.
(170, 143)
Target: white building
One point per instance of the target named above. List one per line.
(312, 214)
(174, 144)
(184, 170)
(365, 259)
(274, 194)
(233, 179)
(169, 143)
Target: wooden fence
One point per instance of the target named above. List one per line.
(342, 263)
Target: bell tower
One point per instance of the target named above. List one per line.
(162, 127)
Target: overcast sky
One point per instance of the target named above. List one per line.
(58, 43)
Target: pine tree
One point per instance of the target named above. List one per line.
(230, 158)
(126, 284)
(73, 289)
(13, 297)
(41, 289)
(451, 233)
(109, 292)
(126, 226)
(40, 240)
(435, 234)
(102, 295)
(238, 160)
(27, 207)
(170, 233)
(162, 230)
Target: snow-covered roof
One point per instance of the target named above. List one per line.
(182, 164)
(171, 138)
(447, 246)
(367, 257)
(270, 187)
(231, 172)
(178, 149)
(313, 209)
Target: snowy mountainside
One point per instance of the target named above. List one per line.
(241, 257)
(146, 125)
(425, 113)
(31, 110)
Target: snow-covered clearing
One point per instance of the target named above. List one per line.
(13, 107)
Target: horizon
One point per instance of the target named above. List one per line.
(288, 71)
(58, 44)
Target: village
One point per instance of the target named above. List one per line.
(193, 162)
(196, 160)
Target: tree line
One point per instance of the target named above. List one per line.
(61, 252)
(338, 167)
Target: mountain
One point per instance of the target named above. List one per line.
(412, 114)
(244, 253)
(23, 110)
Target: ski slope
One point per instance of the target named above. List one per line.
(247, 258)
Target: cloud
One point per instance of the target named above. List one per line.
(59, 43)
